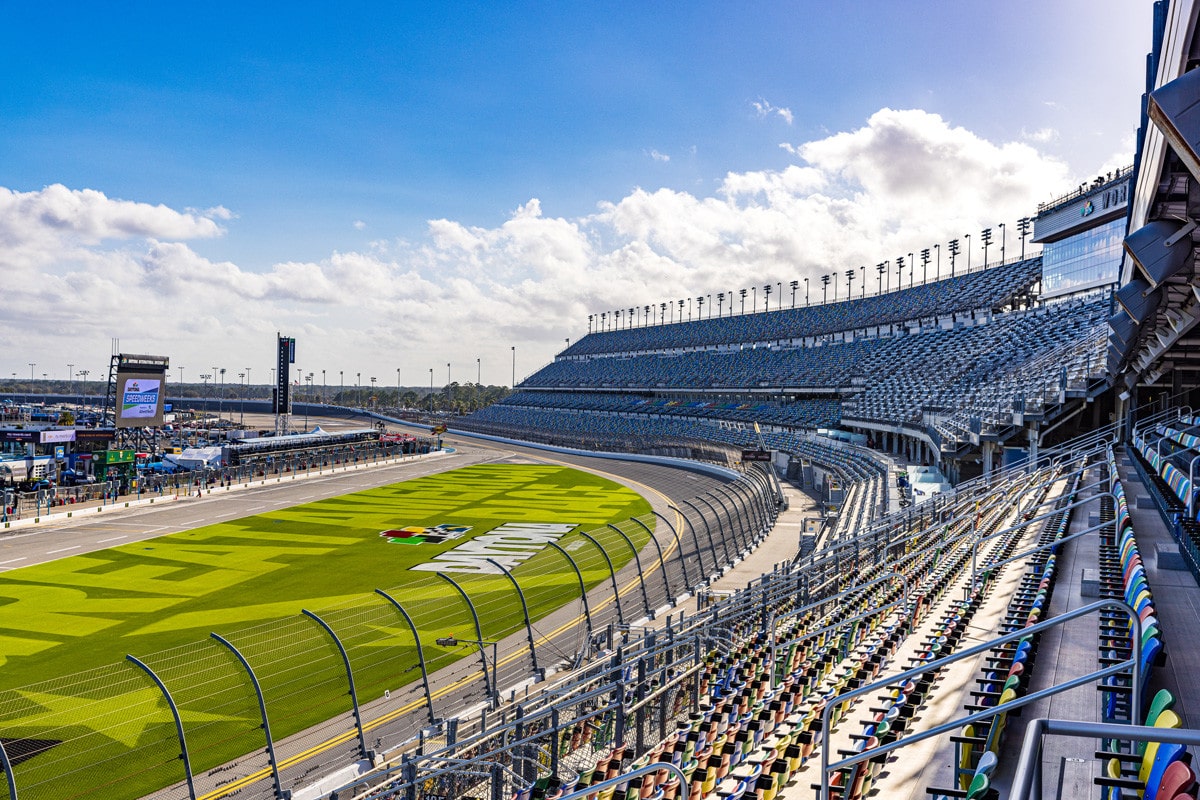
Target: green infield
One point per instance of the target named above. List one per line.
(84, 715)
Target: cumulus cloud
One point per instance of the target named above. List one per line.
(359, 225)
(661, 157)
(81, 268)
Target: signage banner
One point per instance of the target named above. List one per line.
(52, 437)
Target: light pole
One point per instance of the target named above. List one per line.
(324, 394)
(397, 387)
(912, 270)
(754, 299)
(514, 374)
(849, 284)
(806, 292)
(1023, 229)
(937, 269)
(953, 245)
(479, 368)
(986, 238)
(431, 391)
(31, 364)
(899, 273)
(824, 289)
(205, 378)
(70, 379)
(341, 386)
(767, 297)
(83, 386)
(242, 411)
(881, 268)
(1003, 238)
(924, 266)
(448, 397)
(968, 238)
(374, 397)
(795, 285)
(743, 294)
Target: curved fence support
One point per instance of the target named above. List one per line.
(493, 691)
(612, 572)
(524, 612)
(687, 583)
(738, 512)
(587, 609)
(12, 781)
(746, 489)
(637, 560)
(663, 563)
(734, 529)
(262, 708)
(711, 540)
(420, 651)
(764, 492)
(183, 750)
(358, 724)
(721, 531)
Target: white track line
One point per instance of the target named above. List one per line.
(111, 539)
(63, 550)
(12, 560)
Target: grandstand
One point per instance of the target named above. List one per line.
(946, 372)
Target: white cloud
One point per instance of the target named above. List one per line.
(764, 109)
(661, 157)
(359, 225)
(1040, 136)
(81, 268)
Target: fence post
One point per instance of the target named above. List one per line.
(494, 691)
(524, 611)
(8, 773)
(420, 651)
(687, 583)
(262, 707)
(183, 751)
(741, 521)
(587, 611)
(637, 559)
(712, 543)
(362, 737)
(662, 562)
(720, 527)
(612, 573)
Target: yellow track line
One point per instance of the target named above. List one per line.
(341, 738)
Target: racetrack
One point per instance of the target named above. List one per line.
(559, 633)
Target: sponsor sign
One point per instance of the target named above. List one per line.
(415, 534)
(139, 399)
(756, 455)
(52, 437)
(507, 546)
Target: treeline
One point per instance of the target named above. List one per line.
(461, 398)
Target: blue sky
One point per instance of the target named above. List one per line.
(305, 146)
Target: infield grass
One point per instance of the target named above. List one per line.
(84, 723)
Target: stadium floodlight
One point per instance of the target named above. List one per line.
(986, 238)
(954, 251)
(795, 285)
(1003, 237)
(967, 236)
(720, 303)
(1175, 109)
(824, 289)
(1160, 249)
(743, 294)
(924, 266)
(590, 316)
(1023, 229)
(767, 297)
(806, 291)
